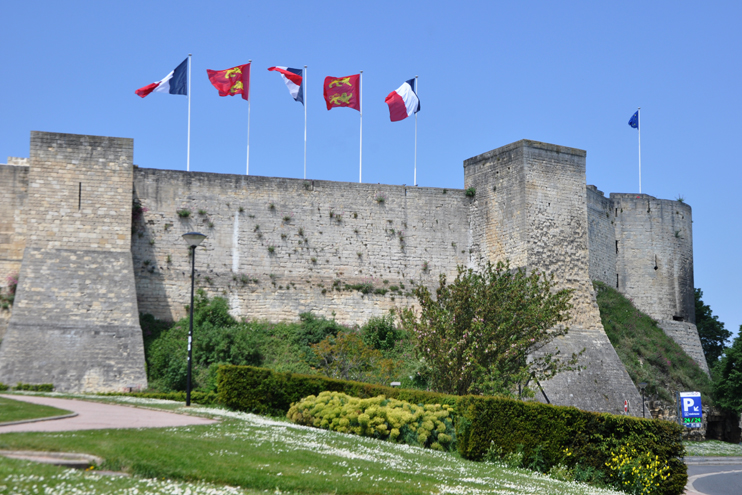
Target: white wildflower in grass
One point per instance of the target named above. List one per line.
(259, 454)
(712, 448)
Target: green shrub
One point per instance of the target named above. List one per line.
(3, 387)
(542, 432)
(380, 333)
(262, 391)
(592, 438)
(378, 417)
(36, 387)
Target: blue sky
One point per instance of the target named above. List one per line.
(568, 73)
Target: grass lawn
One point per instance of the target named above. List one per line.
(15, 410)
(712, 448)
(260, 453)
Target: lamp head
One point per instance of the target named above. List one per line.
(643, 385)
(194, 238)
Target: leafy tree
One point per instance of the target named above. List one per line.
(728, 383)
(483, 332)
(711, 331)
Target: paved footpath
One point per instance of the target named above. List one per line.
(97, 416)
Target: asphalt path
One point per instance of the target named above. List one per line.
(97, 416)
(714, 476)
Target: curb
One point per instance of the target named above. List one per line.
(712, 461)
(65, 459)
(36, 420)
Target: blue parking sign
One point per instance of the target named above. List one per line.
(691, 409)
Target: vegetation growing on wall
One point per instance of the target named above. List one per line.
(646, 351)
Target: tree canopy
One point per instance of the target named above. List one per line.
(711, 331)
(480, 333)
(728, 374)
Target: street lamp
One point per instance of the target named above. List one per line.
(193, 239)
(642, 386)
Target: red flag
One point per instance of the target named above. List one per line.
(230, 82)
(343, 92)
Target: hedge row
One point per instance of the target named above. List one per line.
(481, 421)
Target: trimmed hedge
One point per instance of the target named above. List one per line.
(480, 421)
(589, 436)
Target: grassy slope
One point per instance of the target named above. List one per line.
(648, 354)
(14, 410)
(265, 454)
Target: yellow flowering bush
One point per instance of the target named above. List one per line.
(395, 420)
(637, 473)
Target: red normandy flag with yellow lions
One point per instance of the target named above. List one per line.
(230, 82)
(343, 92)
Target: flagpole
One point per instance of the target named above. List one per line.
(247, 170)
(639, 126)
(188, 153)
(360, 160)
(418, 96)
(304, 97)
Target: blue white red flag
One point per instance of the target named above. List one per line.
(403, 102)
(294, 81)
(175, 83)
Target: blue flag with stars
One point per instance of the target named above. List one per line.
(634, 121)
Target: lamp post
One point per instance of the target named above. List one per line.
(642, 386)
(193, 239)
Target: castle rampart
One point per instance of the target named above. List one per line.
(279, 247)
(75, 320)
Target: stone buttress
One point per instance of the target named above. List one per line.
(75, 321)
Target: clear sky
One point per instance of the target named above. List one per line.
(568, 73)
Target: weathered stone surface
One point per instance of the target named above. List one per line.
(279, 247)
(531, 207)
(75, 320)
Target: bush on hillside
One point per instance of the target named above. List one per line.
(347, 357)
(381, 334)
(220, 339)
(646, 351)
(378, 417)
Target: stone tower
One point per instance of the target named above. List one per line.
(75, 321)
(530, 208)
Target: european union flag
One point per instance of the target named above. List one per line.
(634, 122)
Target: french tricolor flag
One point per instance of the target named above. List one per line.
(403, 102)
(293, 79)
(175, 83)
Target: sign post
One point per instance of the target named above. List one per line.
(691, 409)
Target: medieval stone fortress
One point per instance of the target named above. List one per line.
(97, 240)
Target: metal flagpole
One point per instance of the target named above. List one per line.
(415, 176)
(360, 161)
(639, 128)
(304, 97)
(247, 172)
(188, 153)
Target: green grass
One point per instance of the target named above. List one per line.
(648, 354)
(260, 453)
(15, 410)
(712, 448)
(31, 478)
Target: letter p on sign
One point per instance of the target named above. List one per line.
(687, 404)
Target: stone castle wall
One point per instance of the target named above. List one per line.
(14, 184)
(643, 246)
(75, 320)
(280, 247)
(535, 192)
